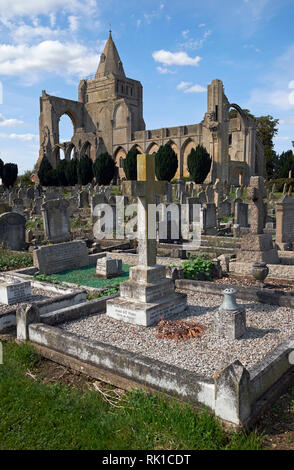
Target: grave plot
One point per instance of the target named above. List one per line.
(237, 365)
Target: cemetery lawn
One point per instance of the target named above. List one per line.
(45, 406)
(85, 277)
(14, 259)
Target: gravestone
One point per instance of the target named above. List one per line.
(218, 193)
(285, 223)
(56, 258)
(56, 220)
(208, 219)
(107, 267)
(209, 194)
(224, 209)
(18, 206)
(12, 231)
(148, 295)
(256, 245)
(83, 199)
(13, 292)
(241, 213)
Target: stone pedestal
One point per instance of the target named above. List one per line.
(230, 318)
(107, 268)
(258, 247)
(146, 298)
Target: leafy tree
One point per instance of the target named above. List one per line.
(166, 163)
(26, 178)
(9, 176)
(199, 163)
(85, 170)
(130, 164)
(104, 169)
(71, 172)
(43, 173)
(61, 172)
(1, 168)
(283, 164)
(266, 130)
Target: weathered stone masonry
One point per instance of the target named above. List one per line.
(108, 116)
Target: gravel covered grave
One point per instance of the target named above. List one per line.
(267, 327)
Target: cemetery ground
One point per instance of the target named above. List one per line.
(48, 406)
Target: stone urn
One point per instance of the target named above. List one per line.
(229, 301)
(259, 271)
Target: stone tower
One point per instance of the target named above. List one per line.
(113, 101)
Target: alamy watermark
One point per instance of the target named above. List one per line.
(158, 221)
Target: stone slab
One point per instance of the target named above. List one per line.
(56, 258)
(15, 292)
(146, 314)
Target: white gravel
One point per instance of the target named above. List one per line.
(268, 326)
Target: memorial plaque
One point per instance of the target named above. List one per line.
(15, 292)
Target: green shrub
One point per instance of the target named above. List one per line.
(196, 265)
(199, 163)
(14, 260)
(130, 164)
(104, 169)
(43, 173)
(71, 172)
(166, 163)
(9, 174)
(85, 170)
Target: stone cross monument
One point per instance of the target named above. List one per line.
(148, 295)
(257, 246)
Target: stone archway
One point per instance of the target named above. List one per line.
(119, 156)
(187, 146)
(152, 148)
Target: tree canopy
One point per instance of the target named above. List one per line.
(104, 169)
(9, 176)
(166, 163)
(199, 163)
(130, 164)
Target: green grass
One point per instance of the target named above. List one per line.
(14, 260)
(85, 277)
(32, 224)
(46, 417)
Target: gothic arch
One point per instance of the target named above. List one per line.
(138, 147)
(68, 152)
(187, 146)
(119, 156)
(86, 149)
(152, 148)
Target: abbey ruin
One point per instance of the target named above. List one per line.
(108, 116)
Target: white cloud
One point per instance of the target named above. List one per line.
(73, 23)
(49, 56)
(13, 8)
(291, 84)
(192, 43)
(183, 85)
(9, 122)
(26, 33)
(21, 137)
(175, 58)
(164, 70)
(195, 89)
(187, 88)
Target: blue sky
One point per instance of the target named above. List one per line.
(174, 48)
